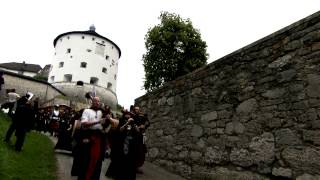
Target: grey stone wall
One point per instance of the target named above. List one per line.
(78, 92)
(23, 84)
(253, 114)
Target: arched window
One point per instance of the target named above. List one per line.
(79, 83)
(68, 77)
(94, 80)
(109, 85)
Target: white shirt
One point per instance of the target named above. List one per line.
(55, 114)
(90, 115)
(13, 97)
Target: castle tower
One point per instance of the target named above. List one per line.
(85, 61)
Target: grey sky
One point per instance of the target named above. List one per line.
(29, 27)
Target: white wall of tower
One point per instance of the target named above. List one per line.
(97, 53)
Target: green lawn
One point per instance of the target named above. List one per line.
(35, 161)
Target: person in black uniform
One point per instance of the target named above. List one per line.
(142, 122)
(123, 151)
(13, 125)
(22, 121)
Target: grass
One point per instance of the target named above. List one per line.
(35, 161)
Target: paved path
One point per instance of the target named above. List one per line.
(151, 171)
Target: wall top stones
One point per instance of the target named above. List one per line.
(251, 53)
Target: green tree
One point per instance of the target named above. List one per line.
(119, 107)
(40, 77)
(174, 48)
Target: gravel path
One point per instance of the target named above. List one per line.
(151, 171)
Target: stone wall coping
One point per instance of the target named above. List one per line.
(87, 84)
(225, 59)
(315, 15)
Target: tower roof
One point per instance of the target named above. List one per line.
(90, 32)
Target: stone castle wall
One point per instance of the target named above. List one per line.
(78, 92)
(23, 84)
(253, 114)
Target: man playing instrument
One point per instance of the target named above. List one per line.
(92, 128)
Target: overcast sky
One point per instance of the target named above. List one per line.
(28, 28)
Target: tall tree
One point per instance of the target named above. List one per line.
(174, 48)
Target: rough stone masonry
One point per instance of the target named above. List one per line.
(253, 114)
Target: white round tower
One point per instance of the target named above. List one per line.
(85, 61)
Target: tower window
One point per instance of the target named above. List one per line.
(61, 64)
(83, 65)
(79, 83)
(68, 37)
(94, 80)
(68, 77)
(104, 70)
(89, 50)
(115, 77)
(111, 47)
(93, 39)
(102, 42)
(68, 50)
(109, 85)
(52, 78)
(107, 57)
(82, 37)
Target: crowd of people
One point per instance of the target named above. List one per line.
(92, 135)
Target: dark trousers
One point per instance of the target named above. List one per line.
(21, 134)
(90, 156)
(10, 131)
(140, 150)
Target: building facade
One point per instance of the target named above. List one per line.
(85, 61)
